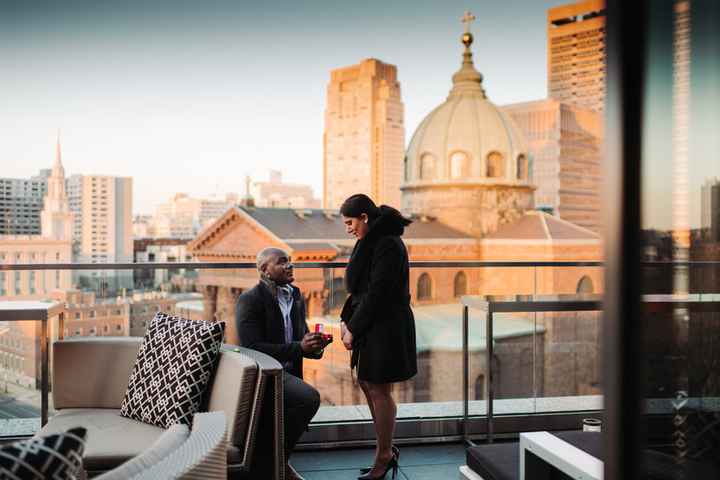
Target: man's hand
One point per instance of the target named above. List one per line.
(347, 338)
(311, 342)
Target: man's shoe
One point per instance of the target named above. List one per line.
(292, 474)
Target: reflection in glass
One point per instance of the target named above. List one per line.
(680, 168)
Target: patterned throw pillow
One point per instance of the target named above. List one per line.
(175, 363)
(56, 456)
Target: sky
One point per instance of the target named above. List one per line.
(188, 96)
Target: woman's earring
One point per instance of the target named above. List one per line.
(365, 220)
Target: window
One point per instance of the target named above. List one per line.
(427, 167)
(522, 167)
(585, 285)
(17, 283)
(459, 165)
(460, 284)
(480, 387)
(494, 165)
(3, 292)
(424, 287)
(77, 315)
(31, 283)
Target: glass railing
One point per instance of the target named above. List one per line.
(542, 363)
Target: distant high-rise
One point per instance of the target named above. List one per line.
(564, 145)
(364, 137)
(102, 208)
(278, 194)
(576, 53)
(184, 216)
(710, 209)
(21, 201)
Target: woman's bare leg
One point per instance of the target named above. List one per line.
(384, 420)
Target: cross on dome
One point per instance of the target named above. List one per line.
(467, 18)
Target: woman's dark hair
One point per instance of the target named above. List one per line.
(357, 204)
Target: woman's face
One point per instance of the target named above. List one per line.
(357, 226)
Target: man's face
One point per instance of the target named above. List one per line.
(279, 269)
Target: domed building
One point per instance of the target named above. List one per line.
(467, 181)
(467, 164)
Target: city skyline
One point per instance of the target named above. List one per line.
(135, 97)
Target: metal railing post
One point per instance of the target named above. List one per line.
(466, 373)
(489, 376)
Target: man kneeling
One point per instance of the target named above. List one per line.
(271, 319)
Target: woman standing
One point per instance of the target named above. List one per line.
(377, 322)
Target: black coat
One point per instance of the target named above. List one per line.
(261, 327)
(378, 313)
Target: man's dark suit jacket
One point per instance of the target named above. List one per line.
(261, 327)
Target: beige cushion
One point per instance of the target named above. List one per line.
(111, 439)
(163, 446)
(233, 392)
(92, 374)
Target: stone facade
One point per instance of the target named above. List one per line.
(364, 137)
(564, 144)
(576, 53)
(566, 345)
(475, 209)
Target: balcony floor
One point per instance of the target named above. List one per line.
(421, 462)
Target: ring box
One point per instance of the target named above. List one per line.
(328, 337)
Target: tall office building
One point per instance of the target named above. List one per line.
(21, 201)
(564, 146)
(576, 53)
(364, 137)
(710, 209)
(102, 209)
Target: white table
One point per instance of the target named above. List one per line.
(565, 457)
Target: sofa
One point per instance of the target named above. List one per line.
(181, 454)
(501, 461)
(89, 379)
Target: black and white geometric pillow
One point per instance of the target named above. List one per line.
(56, 456)
(174, 365)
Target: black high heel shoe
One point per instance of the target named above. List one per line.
(391, 465)
(396, 452)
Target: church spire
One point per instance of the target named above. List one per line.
(58, 170)
(467, 79)
(56, 220)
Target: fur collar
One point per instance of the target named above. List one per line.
(389, 223)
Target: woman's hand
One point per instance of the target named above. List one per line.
(347, 337)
